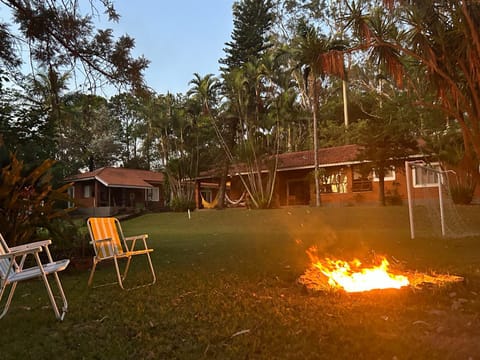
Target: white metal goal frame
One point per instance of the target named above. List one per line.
(409, 165)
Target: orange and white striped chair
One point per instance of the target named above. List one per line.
(109, 243)
(13, 271)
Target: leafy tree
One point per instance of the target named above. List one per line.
(387, 136)
(205, 90)
(447, 146)
(127, 110)
(255, 128)
(439, 40)
(317, 56)
(90, 136)
(202, 105)
(59, 36)
(152, 113)
(250, 40)
(192, 145)
(252, 20)
(28, 201)
(26, 124)
(63, 43)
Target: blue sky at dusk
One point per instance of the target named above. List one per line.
(179, 37)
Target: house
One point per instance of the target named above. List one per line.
(108, 191)
(344, 180)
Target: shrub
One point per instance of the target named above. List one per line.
(28, 201)
(180, 204)
(462, 193)
(393, 197)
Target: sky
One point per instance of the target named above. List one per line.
(179, 37)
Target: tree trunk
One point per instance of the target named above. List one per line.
(345, 102)
(381, 186)
(223, 184)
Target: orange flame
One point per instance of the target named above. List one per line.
(353, 278)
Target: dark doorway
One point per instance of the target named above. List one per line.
(298, 192)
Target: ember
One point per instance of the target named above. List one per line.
(351, 276)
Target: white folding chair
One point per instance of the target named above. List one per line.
(12, 271)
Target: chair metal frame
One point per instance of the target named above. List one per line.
(13, 271)
(109, 243)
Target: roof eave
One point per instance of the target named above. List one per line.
(129, 186)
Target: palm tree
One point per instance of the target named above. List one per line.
(205, 90)
(246, 91)
(317, 56)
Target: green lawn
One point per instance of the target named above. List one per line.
(227, 289)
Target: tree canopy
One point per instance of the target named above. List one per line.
(412, 69)
(57, 35)
(436, 43)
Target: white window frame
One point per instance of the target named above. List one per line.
(388, 177)
(152, 194)
(71, 194)
(87, 191)
(434, 183)
(207, 195)
(337, 179)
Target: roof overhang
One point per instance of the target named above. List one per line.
(124, 186)
(129, 187)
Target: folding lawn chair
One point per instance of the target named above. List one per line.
(110, 244)
(12, 271)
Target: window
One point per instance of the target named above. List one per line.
(333, 182)
(362, 178)
(389, 175)
(207, 195)
(71, 194)
(423, 177)
(87, 191)
(153, 194)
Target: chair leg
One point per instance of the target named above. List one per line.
(9, 298)
(52, 298)
(121, 277)
(150, 264)
(58, 315)
(151, 269)
(90, 278)
(62, 294)
(125, 272)
(117, 269)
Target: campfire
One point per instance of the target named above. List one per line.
(353, 276)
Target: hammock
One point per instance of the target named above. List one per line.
(235, 202)
(209, 205)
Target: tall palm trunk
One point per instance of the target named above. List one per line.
(315, 143)
(345, 102)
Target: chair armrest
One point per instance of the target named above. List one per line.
(136, 237)
(24, 251)
(31, 245)
(101, 240)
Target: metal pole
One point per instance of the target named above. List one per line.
(408, 177)
(440, 198)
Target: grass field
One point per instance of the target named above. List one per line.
(227, 289)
